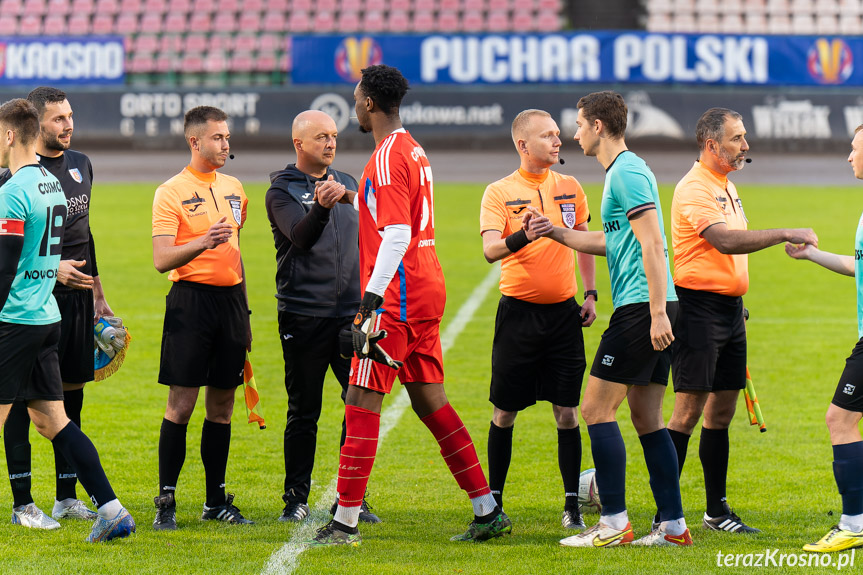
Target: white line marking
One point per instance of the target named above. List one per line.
(285, 560)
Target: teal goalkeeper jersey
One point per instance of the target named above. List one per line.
(34, 196)
(630, 187)
(858, 274)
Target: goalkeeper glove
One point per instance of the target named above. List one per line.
(110, 338)
(365, 341)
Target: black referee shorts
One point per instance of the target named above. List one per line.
(204, 336)
(537, 354)
(625, 353)
(709, 349)
(76, 335)
(849, 392)
(28, 362)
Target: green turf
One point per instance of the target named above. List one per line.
(802, 328)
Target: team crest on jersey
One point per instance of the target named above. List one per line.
(238, 213)
(568, 213)
(76, 175)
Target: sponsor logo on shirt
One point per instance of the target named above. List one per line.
(193, 203)
(77, 205)
(612, 226)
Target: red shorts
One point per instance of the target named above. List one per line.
(416, 343)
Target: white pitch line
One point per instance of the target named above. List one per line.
(285, 559)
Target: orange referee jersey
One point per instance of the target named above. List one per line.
(186, 206)
(701, 199)
(543, 271)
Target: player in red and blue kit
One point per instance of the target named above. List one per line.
(403, 301)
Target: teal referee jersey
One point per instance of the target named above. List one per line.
(630, 188)
(32, 204)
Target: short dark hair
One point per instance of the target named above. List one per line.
(200, 115)
(607, 107)
(20, 116)
(711, 125)
(44, 95)
(386, 87)
(858, 129)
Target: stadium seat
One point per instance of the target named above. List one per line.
(271, 42)
(250, 22)
(549, 20)
(195, 44)
(447, 21)
(150, 23)
(850, 24)
(155, 6)
(215, 62)
(422, 22)
(850, 8)
(376, 5)
(707, 23)
(473, 22)
(34, 8)
(826, 7)
(826, 24)
(200, 22)
(326, 5)
(707, 7)
(171, 44)
(278, 5)
(498, 22)
(684, 22)
(241, 63)
(30, 25)
(276, 22)
(732, 23)
(131, 7)
(779, 24)
(245, 43)
(324, 22)
(102, 24)
(397, 22)
(225, 22)
(348, 21)
(756, 23)
(8, 25)
(176, 23)
(56, 7)
(54, 25)
(802, 23)
(778, 8)
(146, 44)
(265, 63)
(373, 22)
(299, 21)
(192, 63)
(142, 64)
(659, 7)
(305, 5)
(400, 5)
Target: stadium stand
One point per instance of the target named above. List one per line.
(248, 42)
(755, 16)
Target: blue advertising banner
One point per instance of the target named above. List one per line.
(62, 60)
(592, 57)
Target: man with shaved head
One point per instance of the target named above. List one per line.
(318, 290)
(538, 349)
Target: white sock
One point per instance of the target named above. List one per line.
(110, 509)
(349, 516)
(483, 505)
(851, 523)
(617, 521)
(674, 527)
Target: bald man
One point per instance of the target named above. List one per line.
(317, 278)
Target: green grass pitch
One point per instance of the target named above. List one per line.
(803, 326)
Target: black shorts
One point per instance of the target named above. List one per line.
(626, 355)
(709, 349)
(537, 354)
(28, 362)
(849, 392)
(76, 335)
(204, 336)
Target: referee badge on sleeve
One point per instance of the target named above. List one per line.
(568, 213)
(238, 213)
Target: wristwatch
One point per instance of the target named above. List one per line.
(593, 293)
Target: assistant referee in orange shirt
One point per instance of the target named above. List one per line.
(711, 242)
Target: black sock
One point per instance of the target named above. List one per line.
(215, 444)
(681, 444)
(848, 471)
(345, 528)
(664, 475)
(80, 451)
(16, 438)
(73, 402)
(569, 461)
(713, 451)
(488, 518)
(499, 457)
(172, 454)
(609, 457)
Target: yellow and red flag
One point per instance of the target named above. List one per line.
(253, 400)
(752, 405)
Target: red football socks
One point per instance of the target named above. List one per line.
(357, 455)
(458, 451)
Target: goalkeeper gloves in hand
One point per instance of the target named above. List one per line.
(365, 341)
(111, 338)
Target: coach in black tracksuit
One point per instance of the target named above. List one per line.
(318, 286)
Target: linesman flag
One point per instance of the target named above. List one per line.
(253, 400)
(752, 405)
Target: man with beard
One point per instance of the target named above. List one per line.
(197, 217)
(711, 241)
(80, 298)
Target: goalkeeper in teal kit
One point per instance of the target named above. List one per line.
(32, 218)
